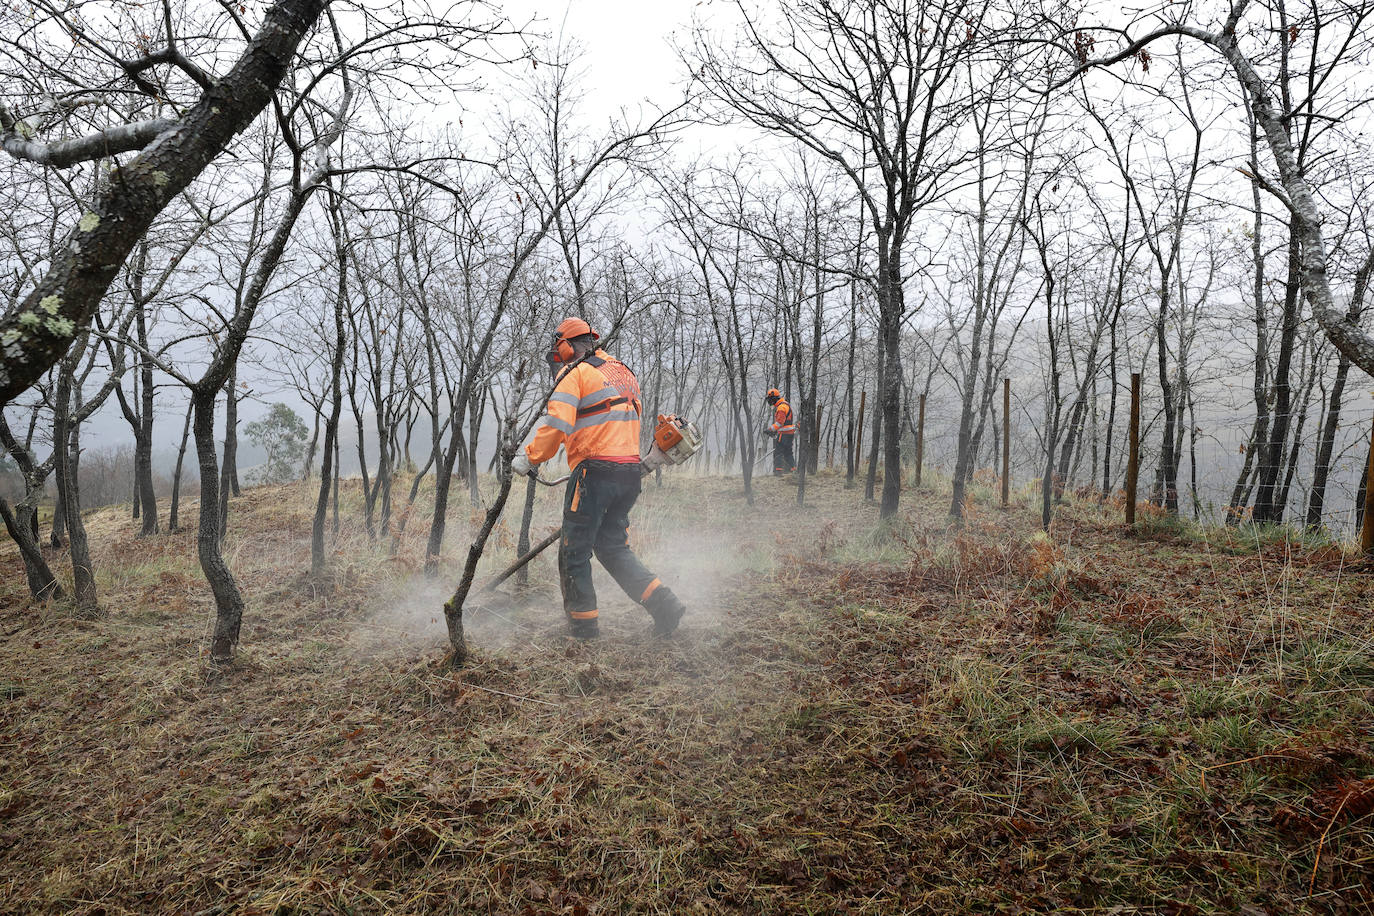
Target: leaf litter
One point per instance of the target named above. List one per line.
(938, 721)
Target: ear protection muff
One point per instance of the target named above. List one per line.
(561, 351)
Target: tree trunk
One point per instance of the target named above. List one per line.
(453, 608)
(1072, 438)
(58, 536)
(228, 599)
(892, 393)
(476, 405)
(143, 442)
(334, 490)
(963, 448)
(42, 583)
(1295, 450)
(309, 466)
(1362, 491)
(66, 442)
(1052, 407)
(227, 469)
(362, 443)
(385, 456)
(1006, 442)
(1322, 468)
(811, 404)
(1166, 478)
(1267, 505)
(1110, 433)
(876, 426)
(851, 445)
(442, 480)
(522, 545)
(231, 432)
(1316, 499)
(1133, 450)
(135, 498)
(176, 474)
(1192, 454)
(420, 476)
(331, 429)
(1260, 431)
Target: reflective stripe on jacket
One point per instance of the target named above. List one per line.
(595, 411)
(783, 424)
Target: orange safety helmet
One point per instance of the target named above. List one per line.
(773, 395)
(568, 328)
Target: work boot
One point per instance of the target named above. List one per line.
(584, 629)
(666, 610)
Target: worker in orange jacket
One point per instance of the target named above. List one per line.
(595, 411)
(783, 431)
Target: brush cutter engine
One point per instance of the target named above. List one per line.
(675, 440)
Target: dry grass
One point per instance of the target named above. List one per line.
(926, 721)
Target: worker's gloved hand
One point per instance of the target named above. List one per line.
(520, 465)
(655, 459)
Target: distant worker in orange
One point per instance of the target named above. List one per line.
(783, 430)
(595, 411)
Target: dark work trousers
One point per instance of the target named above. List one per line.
(596, 520)
(783, 462)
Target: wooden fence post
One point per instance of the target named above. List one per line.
(1006, 442)
(1133, 461)
(1367, 524)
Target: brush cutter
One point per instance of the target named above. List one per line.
(675, 440)
(766, 435)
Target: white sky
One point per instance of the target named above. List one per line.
(629, 57)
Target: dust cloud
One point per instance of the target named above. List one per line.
(693, 547)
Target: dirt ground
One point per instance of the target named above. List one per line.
(857, 718)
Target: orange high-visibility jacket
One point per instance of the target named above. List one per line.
(783, 424)
(595, 409)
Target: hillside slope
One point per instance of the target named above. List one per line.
(929, 721)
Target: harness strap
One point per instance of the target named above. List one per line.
(596, 362)
(603, 406)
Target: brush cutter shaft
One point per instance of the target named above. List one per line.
(543, 545)
(675, 441)
(514, 568)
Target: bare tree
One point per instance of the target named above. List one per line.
(882, 85)
(716, 246)
(538, 204)
(1345, 43)
(994, 262)
(173, 153)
